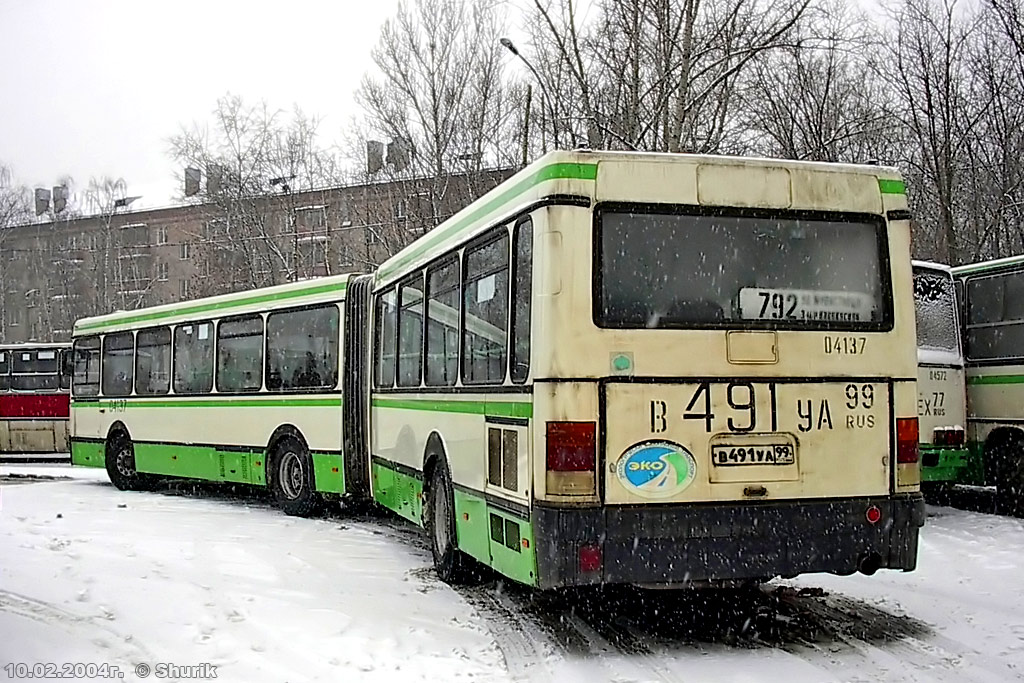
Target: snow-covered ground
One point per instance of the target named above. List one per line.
(90, 574)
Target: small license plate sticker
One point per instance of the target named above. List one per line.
(728, 455)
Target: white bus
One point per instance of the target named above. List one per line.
(614, 368)
(941, 393)
(992, 301)
(241, 388)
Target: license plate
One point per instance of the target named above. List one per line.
(752, 454)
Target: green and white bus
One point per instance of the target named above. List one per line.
(992, 303)
(241, 388)
(631, 368)
(941, 394)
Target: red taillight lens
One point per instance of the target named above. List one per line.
(906, 440)
(590, 558)
(571, 446)
(948, 437)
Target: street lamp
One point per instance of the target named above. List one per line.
(510, 46)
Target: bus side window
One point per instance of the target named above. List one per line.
(86, 372)
(67, 368)
(118, 364)
(193, 358)
(522, 295)
(384, 334)
(443, 299)
(410, 332)
(485, 301)
(240, 354)
(153, 362)
(5, 371)
(302, 349)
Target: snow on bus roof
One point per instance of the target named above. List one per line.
(215, 304)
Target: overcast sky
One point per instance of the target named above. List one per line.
(94, 88)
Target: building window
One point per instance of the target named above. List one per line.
(161, 271)
(186, 249)
(161, 234)
(183, 288)
(400, 210)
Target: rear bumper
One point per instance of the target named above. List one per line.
(942, 464)
(665, 544)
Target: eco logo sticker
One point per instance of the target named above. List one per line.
(656, 469)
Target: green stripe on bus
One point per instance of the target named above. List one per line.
(493, 409)
(212, 306)
(213, 403)
(996, 379)
(566, 170)
(890, 186)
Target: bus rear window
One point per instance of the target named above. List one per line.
(936, 310)
(658, 267)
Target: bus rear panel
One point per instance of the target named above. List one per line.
(726, 393)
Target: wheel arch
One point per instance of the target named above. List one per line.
(435, 454)
(994, 440)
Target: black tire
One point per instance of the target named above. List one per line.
(291, 479)
(1008, 463)
(120, 464)
(453, 566)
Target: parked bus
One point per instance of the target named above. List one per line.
(992, 300)
(941, 394)
(613, 368)
(34, 398)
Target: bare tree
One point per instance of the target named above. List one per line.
(15, 209)
(255, 161)
(653, 74)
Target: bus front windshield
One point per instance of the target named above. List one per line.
(733, 268)
(935, 306)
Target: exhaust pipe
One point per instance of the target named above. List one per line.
(869, 563)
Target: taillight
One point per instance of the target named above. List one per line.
(571, 446)
(590, 558)
(948, 437)
(906, 440)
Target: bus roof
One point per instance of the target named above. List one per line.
(572, 177)
(34, 345)
(290, 294)
(994, 264)
(931, 265)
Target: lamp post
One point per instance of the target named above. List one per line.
(510, 46)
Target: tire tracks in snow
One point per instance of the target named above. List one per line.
(121, 648)
(877, 639)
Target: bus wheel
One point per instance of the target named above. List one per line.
(291, 479)
(1009, 466)
(120, 463)
(452, 565)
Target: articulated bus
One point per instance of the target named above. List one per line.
(34, 398)
(647, 369)
(992, 312)
(941, 395)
